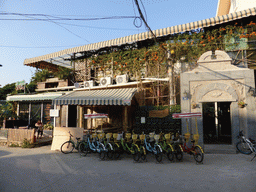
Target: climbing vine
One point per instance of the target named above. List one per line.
(188, 46)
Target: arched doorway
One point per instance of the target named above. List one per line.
(217, 123)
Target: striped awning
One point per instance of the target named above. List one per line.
(36, 97)
(98, 97)
(63, 57)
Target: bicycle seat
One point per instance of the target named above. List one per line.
(78, 138)
(192, 141)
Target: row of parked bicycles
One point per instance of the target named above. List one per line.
(113, 145)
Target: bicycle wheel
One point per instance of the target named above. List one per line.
(82, 149)
(243, 147)
(178, 152)
(136, 154)
(159, 154)
(143, 154)
(198, 154)
(170, 153)
(117, 151)
(110, 152)
(67, 147)
(102, 152)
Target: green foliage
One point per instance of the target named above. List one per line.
(7, 89)
(64, 73)
(41, 75)
(175, 109)
(31, 87)
(188, 46)
(26, 144)
(14, 145)
(7, 110)
(48, 126)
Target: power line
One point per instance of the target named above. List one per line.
(68, 30)
(40, 47)
(143, 19)
(56, 18)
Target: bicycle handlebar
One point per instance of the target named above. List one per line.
(70, 134)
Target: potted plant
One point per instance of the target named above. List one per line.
(241, 104)
(194, 105)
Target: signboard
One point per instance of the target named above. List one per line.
(159, 113)
(186, 115)
(96, 115)
(143, 119)
(54, 113)
(20, 85)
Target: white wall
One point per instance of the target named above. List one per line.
(239, 5)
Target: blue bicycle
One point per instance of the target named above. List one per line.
(96, 145)
(152, 146)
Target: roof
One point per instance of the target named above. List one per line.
(223, 7)
(98, 97)
(35, 97)
(63, 58)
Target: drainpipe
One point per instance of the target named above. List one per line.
(42, 112)
(29, 113)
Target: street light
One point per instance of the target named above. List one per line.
(1, 65)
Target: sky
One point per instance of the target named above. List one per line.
(22, 39)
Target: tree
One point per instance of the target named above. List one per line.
(7, 89)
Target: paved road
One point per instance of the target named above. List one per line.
(40, 169)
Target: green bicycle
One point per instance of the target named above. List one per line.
(131, 146)
(165, 143)
(70, 145)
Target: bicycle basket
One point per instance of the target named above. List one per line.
(134, 136)
(101, 135)
(128, 135)
(167, 136)
(142, 137)
(94, 135)
(151, 135)
(115, 135)
(187, 136)
(109, 135)
(196, 138)
(157, 137)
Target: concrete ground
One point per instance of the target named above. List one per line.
(40, 169)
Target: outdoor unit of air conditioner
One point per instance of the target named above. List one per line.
(104, 81)
(121, 79)
(88, 84)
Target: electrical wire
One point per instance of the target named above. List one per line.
(54, 18)
(143, 19)
(68, 30)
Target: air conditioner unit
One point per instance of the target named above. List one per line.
(104, 81)
(121, 79)
(88, 84)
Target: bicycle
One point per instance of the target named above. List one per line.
(176, 143)
(143, 152)
(82, 147)
(108, 146)
(70, 145)
(96, 145)
(194, 150)
(165, 143)
(131, 146)
(154, 148)
(116, 145)
(245, 146)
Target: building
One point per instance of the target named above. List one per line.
(119, 99)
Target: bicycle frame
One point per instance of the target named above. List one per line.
(93, 147)
(150, 148)
(247, 142)
(73, 142)
(127, 148)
